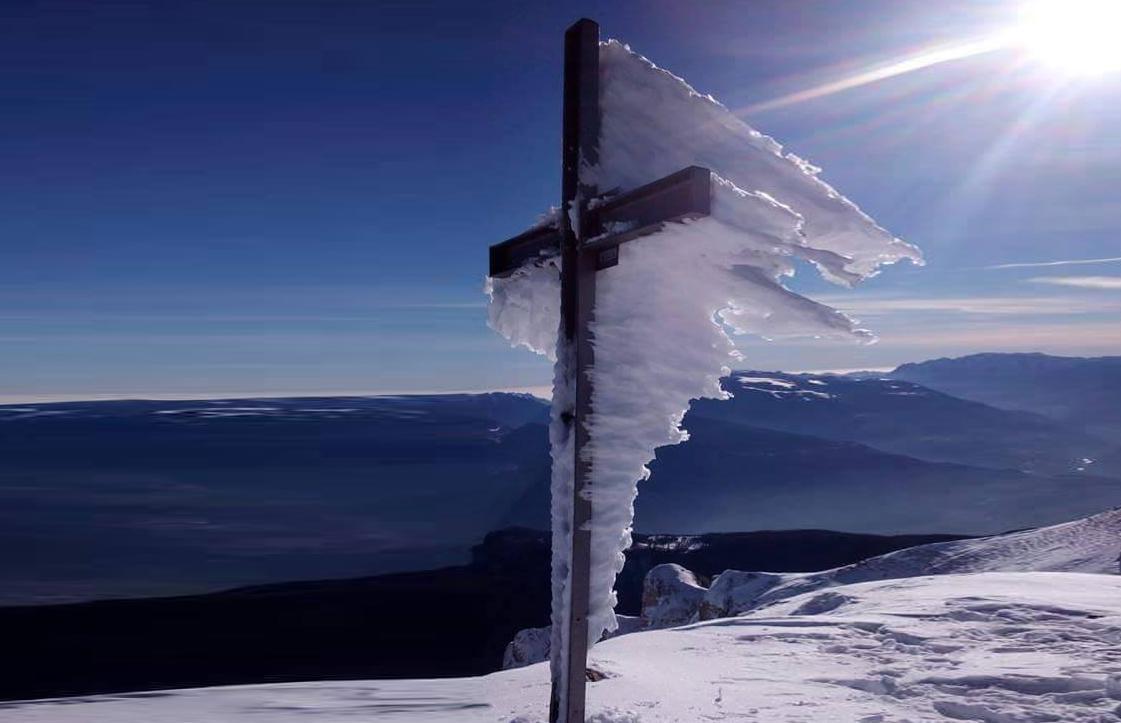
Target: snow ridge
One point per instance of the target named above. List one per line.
(1088, 545)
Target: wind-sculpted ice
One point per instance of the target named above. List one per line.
(664, 315)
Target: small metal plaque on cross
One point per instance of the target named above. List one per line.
(590, 230)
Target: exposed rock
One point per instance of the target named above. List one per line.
(671, 595)
(734, 592)
(533, 645)
(529, 646)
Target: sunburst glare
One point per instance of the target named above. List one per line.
(1078, 37)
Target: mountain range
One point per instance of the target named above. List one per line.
(137, 498)
(1078, 391)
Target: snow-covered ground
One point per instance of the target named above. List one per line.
(672, 596)
(1091, 544)
(1016, 628)
(1020, 647)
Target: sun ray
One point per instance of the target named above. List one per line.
(1075, 37)
(908, 64)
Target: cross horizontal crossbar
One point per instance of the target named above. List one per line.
(614, 220)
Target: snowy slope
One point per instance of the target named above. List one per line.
(998, 647)
(1090, 545)
(672, 595)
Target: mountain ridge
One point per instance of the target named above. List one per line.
(1082, 391)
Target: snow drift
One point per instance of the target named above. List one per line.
(663, 315)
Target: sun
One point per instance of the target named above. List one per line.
(1078, 37)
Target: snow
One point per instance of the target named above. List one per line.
(14, 413)
(1021, 647)
(226, 410)
(219, 412)
(664, 314)
(1015, 628)
(784, 388)
(736, 591)
(654, 124)
(525, 306)
(782, 383)
(1089, 545)
(673, 596)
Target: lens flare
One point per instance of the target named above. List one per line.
(1078, 37)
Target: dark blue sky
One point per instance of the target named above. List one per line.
(296, 197)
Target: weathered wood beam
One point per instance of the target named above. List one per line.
(578, 289)
(646, 210)
(641, 212)
(539, 242)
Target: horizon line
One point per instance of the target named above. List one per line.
(541, 391)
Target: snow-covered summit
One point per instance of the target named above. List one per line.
(673, 596)
(1012, 628)
(1090, 545)
(1022, 647)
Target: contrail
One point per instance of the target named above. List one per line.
(1041, 264)
(1081, 282)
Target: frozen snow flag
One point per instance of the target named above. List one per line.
(663, 315)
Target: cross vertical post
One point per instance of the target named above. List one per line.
(578, 279)
(587, 237)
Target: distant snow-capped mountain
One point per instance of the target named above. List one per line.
(893, 415)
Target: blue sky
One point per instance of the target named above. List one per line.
(226, 198)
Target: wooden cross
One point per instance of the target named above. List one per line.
(581, 241)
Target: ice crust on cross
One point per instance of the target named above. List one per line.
(664, 314)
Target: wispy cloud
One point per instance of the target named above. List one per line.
(543, 391)
(1042, 264)
(974, 305)
(911, 342)
(1081, 282)
(1081, 338)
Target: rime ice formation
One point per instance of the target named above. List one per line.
(663, 315)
